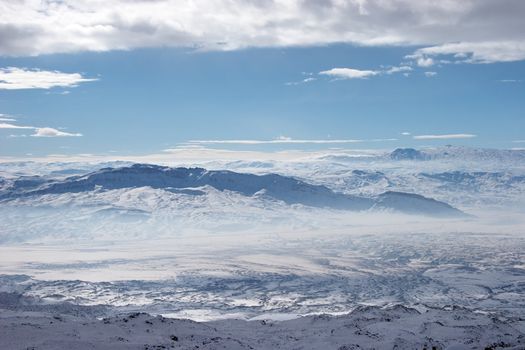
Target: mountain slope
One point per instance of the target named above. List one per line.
(413, 204)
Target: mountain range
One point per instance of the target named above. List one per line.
(287, 189)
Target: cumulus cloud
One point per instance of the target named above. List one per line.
(486, 30)
(50, 132)
(444, 136)
(14, 78)
(349, 73)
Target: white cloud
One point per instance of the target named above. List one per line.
(425, 61)
(444, 136)
(406, 133)
(430, 74)
(504, 81)
(50, 132)
(13, 78)
(33, 27)
(519, 141)
(349, 73)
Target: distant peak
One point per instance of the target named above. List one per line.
(408, 154)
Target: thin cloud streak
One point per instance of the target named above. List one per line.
(12, 126)
(444, 136)
(6, 118)
(282, 141)
(38, 131)
(304, 81)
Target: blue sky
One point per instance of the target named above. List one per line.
(145, 99)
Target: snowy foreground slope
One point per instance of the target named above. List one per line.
(395, 327)
(84, 247)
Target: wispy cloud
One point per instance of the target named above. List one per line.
(519, 141)
(430, 74)
(267, 142)
(284, 140)
(406, 133)
(14, 78)
(398, 69)
(6, 118)
(304, 81)
(13, 126)
(38, 131)
(510, 81)
(471, 52)
(444, 136)
(51, 132)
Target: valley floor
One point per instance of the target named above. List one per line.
(359, 290)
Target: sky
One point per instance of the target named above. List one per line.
(137, 77)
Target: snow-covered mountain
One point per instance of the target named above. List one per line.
(271, 186)
(408, 154)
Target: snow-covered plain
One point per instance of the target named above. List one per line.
(210, 253)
